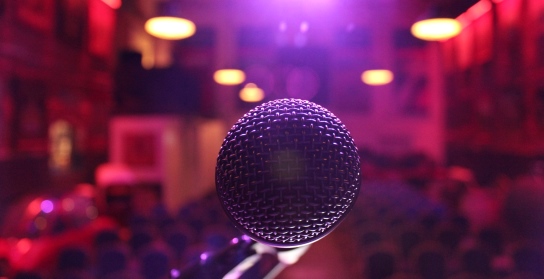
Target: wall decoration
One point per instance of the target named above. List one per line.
(139, 149)
(6, 116)
(29, 129)
(71, 21)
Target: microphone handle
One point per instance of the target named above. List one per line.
(244, 258)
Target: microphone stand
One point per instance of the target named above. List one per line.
(244, 258)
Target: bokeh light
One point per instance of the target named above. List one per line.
(436, 29)
(34, 207)
(24, 245)
(377, 77)
(170, 28)
(229, 76)
(251, 93)
(47, 206)
(114, 4)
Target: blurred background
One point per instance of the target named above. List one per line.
(109, 132)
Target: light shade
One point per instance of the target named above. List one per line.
(377, 77)
(229, 76)
(170, 27)
(436, 29)
(251, 93)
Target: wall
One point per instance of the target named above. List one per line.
(56, 60)
(495, 90)
(342, 40)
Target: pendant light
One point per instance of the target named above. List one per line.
(438, 23)
(168, 25)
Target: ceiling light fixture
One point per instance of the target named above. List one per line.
(439, 23)
(168, 25)
(377, 77)
(229, 76)
(436, 29)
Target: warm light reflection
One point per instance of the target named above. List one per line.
(251, 93)
(170, 28)
(436, 29)
(24, 245)
(114, 4)
(229, 76)
(34, 207)
(61, 145)
(377, 77)
(477, 10)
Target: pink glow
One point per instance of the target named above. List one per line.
(24, 245)
(47, 206)
(114, 4)
(34, 207)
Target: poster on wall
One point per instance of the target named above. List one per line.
(6, 116)
(29, 126)
(71, 21)
(139, 149)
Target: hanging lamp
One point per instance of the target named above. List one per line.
(168, 25)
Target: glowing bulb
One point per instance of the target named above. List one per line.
(229, 76)
(251, 93)
(170, 28)
(377, 77)
(436, 29)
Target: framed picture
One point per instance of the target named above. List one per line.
(6, 116)
(37, 14)
(139, 149)
(71, 21)
(137, 143)
(29, 125)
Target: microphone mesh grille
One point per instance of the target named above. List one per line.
(287, 173)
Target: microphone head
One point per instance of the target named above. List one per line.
(287, 173)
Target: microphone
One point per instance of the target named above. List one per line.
(287, 173)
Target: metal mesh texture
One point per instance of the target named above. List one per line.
(287, 173)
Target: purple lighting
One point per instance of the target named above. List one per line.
(47, 206)
(174, 273)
